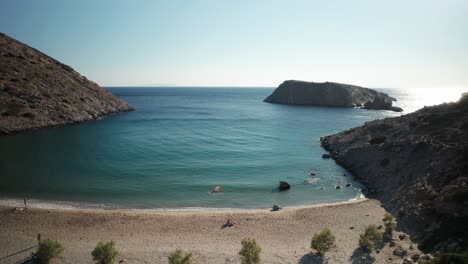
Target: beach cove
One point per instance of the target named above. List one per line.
(148, 236)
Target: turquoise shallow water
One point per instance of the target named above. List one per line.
(181, 141)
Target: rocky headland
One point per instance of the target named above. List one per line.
(38, 91)
(417, 165)
(330, 94)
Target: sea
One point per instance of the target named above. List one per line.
(182, 141)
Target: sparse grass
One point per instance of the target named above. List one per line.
(348, 131)
(105, 253)
(250, 252)
(48, 250)
(323, 241)
(432, 195)
(76, 85)
(180, 257)
(14, 108)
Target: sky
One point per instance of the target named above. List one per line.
(378, 44)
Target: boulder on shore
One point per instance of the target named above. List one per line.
(330, 94)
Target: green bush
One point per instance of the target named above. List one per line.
(179, 257)
(105, 253)
(48, 250)
(250, 252)
(323, 241)
(389, 223)
(364, 242)
(371, 238)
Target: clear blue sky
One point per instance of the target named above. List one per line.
(398, 43)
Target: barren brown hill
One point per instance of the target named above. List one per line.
(38, 91)
(417, 165)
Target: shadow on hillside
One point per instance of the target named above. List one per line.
(312, 259)
(362, 257)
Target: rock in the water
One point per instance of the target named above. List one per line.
(382, 103)
(217, 189)
(348, 185)
(283, 186)
(326, 156)
(330, 94)
(276, 208)
(38, 91)
(337, 187)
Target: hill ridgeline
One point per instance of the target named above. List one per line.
(38, 91)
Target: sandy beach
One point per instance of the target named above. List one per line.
(149, 236)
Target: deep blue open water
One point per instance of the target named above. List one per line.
(181, 141)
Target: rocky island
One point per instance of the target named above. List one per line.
(417, 166)
(38, 91)
(330, 94)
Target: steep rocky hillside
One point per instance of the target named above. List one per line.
(330, 94)
(37, 91)
(417, 165)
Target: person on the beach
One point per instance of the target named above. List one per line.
(229, 223)
(25, 201)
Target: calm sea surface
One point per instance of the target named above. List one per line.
(181, 141)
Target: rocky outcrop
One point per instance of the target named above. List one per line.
(330, 94)
(283, 186)
(37, 91)
(417, 165)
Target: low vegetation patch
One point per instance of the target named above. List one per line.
(323, 241)
(105, 253)
(250, 252)
(180, 257)
(371, 238)
(389, 223)
(14, 108)
(48, 250)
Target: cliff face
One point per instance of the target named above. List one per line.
(37, 91)
(330, 94)
(417, 165)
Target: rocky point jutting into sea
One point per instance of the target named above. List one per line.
(417, 165)
(38, 91)
(330, 94)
